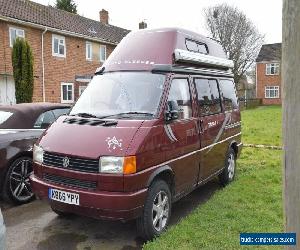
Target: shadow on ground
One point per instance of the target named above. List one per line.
(35, 226)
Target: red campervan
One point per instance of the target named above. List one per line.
(159, 119)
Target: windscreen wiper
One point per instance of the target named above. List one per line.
(85, 115)
(130, 113)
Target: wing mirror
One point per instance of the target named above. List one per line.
(172, 112)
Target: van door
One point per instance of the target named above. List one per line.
(181, 136)
(211, 120)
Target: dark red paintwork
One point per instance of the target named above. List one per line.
(188, 162)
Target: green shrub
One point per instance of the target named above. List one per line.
(22, 62)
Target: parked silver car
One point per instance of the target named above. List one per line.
(2, 232)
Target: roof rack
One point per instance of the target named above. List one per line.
(201, 59)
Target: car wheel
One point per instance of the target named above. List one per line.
(228, 173)
(17, 187)
(156, 212)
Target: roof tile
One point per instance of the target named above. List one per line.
(51, 17)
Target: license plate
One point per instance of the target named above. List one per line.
(63, 196)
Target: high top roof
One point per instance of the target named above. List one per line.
(143, 49)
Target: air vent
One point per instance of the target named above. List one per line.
(90, 122)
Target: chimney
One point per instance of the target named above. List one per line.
(142, 25)
(104, 16)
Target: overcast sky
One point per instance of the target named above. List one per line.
(265, 14)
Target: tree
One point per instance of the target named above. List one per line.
(22, 62)
(238, 36)
(67, 5)
(291, 115)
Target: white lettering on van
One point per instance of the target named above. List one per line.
(212, 124)
(114, 143)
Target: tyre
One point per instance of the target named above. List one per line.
(17, 187)
(228, 173)
(156, 212)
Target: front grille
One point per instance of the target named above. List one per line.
(78, 164)
(70, 182)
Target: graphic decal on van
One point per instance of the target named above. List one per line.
(114, 143)
(170, 133)
(226, 121)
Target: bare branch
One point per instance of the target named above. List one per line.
(238, 36)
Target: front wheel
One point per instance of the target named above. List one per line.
(228, 173)
(157, 211)
(17, 185)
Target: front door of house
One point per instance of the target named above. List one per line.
(7, 90)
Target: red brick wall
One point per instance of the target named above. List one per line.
(264, 80)
(57, 69)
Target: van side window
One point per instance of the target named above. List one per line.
(208, 96)
(229, 95)
(180, 93)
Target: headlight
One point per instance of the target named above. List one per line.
(117, 165)
(38, 153)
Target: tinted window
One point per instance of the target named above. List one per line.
(180, 93)
(229, 94)
(196, 46)
(208, 96)
(4, 115)
(44, 120)
(59, 112)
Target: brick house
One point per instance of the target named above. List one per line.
(268, 74)
(67, 48)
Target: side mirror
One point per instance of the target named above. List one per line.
(172, 112)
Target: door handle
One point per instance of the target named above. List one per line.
(201, 125)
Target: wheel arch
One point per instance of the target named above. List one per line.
(234, 145)
(165, 173)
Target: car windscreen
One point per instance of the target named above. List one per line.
(4, 116)
(121, 92)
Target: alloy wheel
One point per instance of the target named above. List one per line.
(231, 166)
(19, 180)
(160, 211)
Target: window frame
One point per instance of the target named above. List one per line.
(61, 92)
(190, 92)
(269, 67)
(87, 45)
(220, 95)
(11, 43)
(81, 89)
(100, 59)
(54, 36)
(275, 88)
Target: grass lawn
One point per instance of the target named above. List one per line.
(262, 125)
(252, 203)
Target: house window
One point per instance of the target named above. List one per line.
(272, 69)
(88, 51)
(67, 93)
(272, 92)
(14, 33)
(58, 46)
(102, 53)
(81, 89)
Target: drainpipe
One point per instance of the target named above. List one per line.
(43, 66)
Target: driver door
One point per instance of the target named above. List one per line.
(181, 137)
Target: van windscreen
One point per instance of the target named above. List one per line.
(121, 92)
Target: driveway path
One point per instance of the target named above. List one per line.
(35, 226)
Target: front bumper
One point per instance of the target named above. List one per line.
(96, 204)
